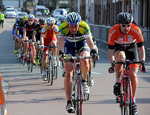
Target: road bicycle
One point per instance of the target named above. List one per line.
(78, 95)
(125, 98)
(51, 70)
(30, 56)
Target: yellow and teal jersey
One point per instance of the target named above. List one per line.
(82, 33)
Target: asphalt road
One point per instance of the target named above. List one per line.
(27, 94)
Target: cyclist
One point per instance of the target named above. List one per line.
(90, 65)
(75, 34)
(2, 18)
(36, 38)
(27, 34)
(122, 41)
(49, 37)
(16, 34)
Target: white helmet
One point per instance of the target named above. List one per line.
(31, 16)
(50, 20)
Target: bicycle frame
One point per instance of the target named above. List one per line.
(77, 85)
(30, 56)
(126, 98)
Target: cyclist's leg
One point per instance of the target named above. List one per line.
(68, 85)
(45, 56)
(54, 50)
(25, 44)
(133, 76)
(119, 56)
(16, 45)
(90, 70)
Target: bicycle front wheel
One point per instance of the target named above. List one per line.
(128, 99)
(50, 71)
(78, 100)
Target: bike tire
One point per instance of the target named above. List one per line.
(51, 72)
(55, 72)
(78, 102)
(128, 98)
(31, 61)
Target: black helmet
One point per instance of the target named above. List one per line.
(41, 21)
(124, 18)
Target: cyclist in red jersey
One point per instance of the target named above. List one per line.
(49, 37)
(123, 41)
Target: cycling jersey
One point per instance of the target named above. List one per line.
(38, 32)
(49, 35)
(82, 33)
(126, 42)
(29, 29)
(115, 36)
(75, 41)
(19, 27)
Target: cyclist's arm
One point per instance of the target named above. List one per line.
(91, 44)
(42, 38)
(24, 33)
(141, 53)
(111, 55)
(33, 36)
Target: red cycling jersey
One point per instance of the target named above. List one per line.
(115, 35)
(49, 35)
(116, 39)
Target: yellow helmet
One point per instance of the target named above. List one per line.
(24, 18)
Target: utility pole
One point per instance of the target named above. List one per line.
(19, 3)
(1, 4)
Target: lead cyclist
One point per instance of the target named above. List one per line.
(75, 34)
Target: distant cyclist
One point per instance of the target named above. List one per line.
(2, 18)
(123, 41)
(28, 33)
(36, 38)
(49, 37)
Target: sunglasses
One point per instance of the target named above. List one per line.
(125, 25)
(50, 24)
(30, 20)
(42, 24)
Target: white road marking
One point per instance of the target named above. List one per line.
(96, 73)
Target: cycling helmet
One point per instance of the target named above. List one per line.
(41, 21)
(24, 18)
(124, 18)
(50, 20)
(31, 16)
(73, 18)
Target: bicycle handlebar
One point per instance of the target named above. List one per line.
(128, 62)
(77, 57)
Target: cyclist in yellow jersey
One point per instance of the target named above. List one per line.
(75, 34)
(2, 17)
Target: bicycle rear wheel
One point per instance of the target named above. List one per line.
(128, 99)
(55, 72)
